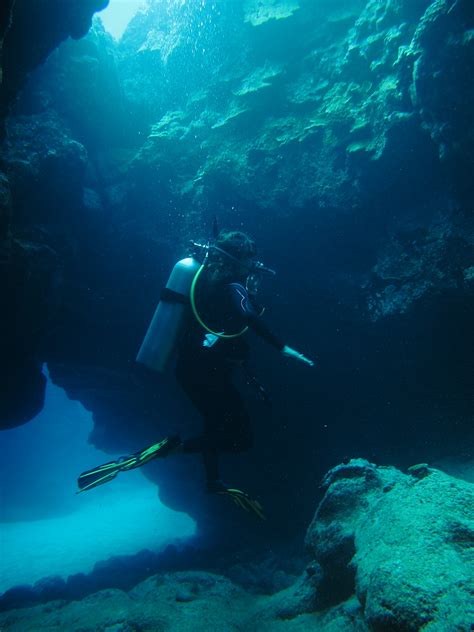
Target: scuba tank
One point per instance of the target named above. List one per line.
(166, 325)
(176, 298)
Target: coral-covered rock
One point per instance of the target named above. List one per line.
(46, 167)
(30, 31)
(417, 263)
(45, 184)
(28, 284)
(401, 542)
(331, 535)
(444, 45)
(365, 120)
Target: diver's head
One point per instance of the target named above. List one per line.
(231, 256)
(238, 245)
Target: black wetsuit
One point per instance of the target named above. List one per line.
(205, 372)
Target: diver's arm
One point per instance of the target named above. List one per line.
(261, 329)
(258, 325)
(248, 313)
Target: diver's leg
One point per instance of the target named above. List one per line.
(205, 445)
(227, 428)
(202, 385)
(234, 433)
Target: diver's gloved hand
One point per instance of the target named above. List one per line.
(291, 353)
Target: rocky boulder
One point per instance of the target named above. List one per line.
(403, 543)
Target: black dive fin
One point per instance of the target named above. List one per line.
(105, 473)
(88, 480)
(101, 474)
(243, 500)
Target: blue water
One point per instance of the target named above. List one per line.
(46, 528)
(338, 134)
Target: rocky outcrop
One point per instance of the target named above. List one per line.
(429, 254)
(444, 49)
(41, 191)
(24, 268)
(401, 542)
(29, 31)
(46, 171)
(369, 105)
(419, 262)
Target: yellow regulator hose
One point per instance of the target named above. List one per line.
(196, 314)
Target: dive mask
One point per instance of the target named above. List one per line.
(255, 269)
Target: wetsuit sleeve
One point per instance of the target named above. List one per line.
(243, 305)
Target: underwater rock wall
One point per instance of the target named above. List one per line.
(43, 163)
(41, 173)
(340, 132)
(329, 109)
(30, 31)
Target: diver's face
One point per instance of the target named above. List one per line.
(231, 267)
(235, 268)
(245, 269)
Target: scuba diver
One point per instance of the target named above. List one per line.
(207, 306)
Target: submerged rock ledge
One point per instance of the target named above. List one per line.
(390, 551)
